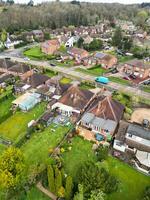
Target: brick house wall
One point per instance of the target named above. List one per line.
(139, 72)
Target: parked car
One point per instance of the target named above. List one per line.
(52, 64)
(114, 71)
(147, 82)
(119, 52)
(126, 78)
(26, 59)
(132, 76)
(102, 79)
(146, 123)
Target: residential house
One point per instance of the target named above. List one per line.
(16, 69)
(28, 36)
(102, 117)
(77, 53)
(137, 67)
(38, 35)
(74, 101)
(21, 87)
(87, 39)
(50, 47)
(6, 78)
(70, 42)
(10, 44)
(36, 80)
(133, 139)
(107, 61)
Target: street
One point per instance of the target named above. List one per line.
(16, 55)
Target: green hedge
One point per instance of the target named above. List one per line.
(5, 117)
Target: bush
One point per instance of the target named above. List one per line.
(102, 153)
(146, 194)
(22, 44)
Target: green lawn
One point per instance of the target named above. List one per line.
(66, 63)
(122, 59)
(86, 86)
(94, 71)
(5, 106)
(65, 80)
(36, 150)
(80, 152)
(120, 80)
(33, 194)
(16, 125)
(34, 52)
(50, 73)
(131, 182)
(146, 88)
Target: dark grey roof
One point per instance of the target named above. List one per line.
(110, 125)
(138, 131)
(47, 116)
(87, 117)
(37, 79)
(100, 55)
(5, 78)
(98, 122)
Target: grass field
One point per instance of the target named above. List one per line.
(120, 80)
(80, 152)
(65, 80)
(16, 125)
(34, 52)
(36, 150)
(94, 71)
(131, 182)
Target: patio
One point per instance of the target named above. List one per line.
(61, 120)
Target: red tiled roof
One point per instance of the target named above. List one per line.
(107, 108)
(76, 97)
(53, 42)
(77, 51)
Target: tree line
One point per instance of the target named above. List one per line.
(58, 14)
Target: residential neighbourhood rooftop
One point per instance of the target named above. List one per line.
(75, 100)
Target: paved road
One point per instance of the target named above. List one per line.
(78, 75)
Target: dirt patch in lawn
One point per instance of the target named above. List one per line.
(139, 114)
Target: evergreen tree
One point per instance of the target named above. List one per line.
(69, 187)
(117, 38)
(51, 181)
(58, 180)
(80, 42)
